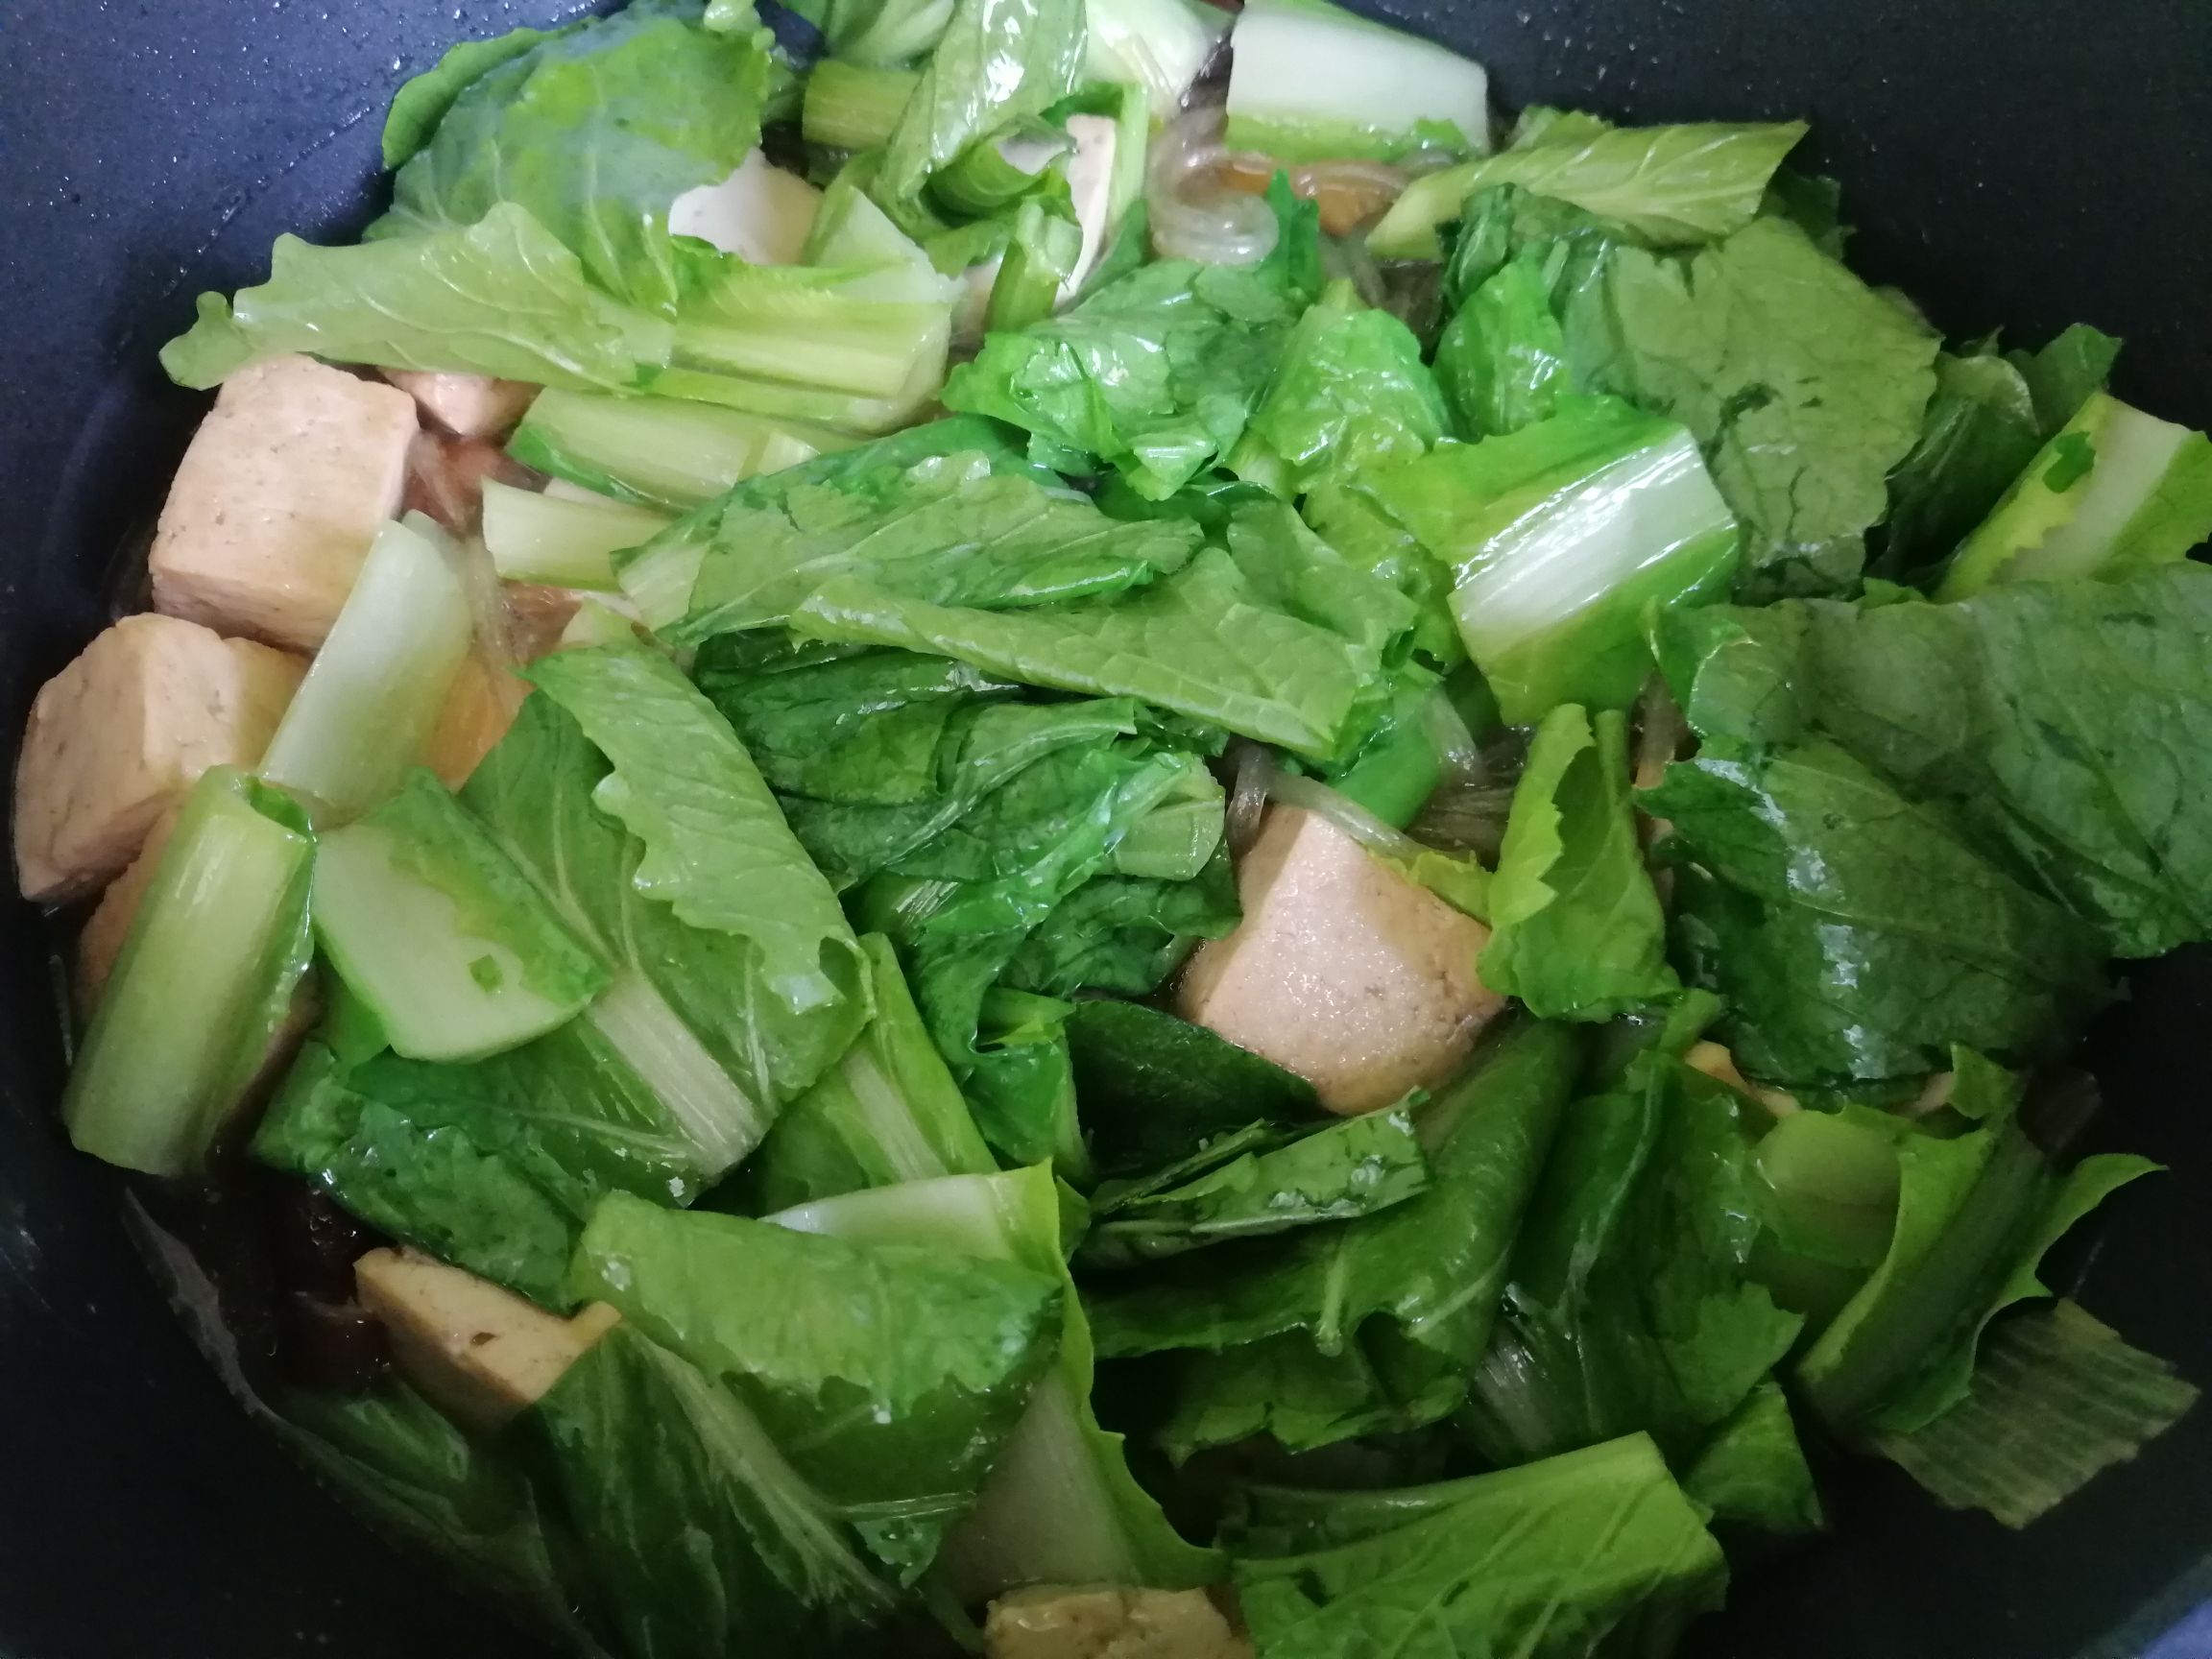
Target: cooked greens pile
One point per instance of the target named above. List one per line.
(1812, 708)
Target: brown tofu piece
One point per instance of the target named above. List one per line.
(466, 405)
(117, 738)
(1108, 1621)
(285, 486)
(480, 1354)
(1361, 982)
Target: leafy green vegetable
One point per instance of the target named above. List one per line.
(658, 451)
(1578, 933)
(1022, 160)
(716, 849)
(413, 1472)
(1279, 1386)
(2058, 725)
(945, 507)
(949, 532)
(423, 100)
(1632, 1305)
(1061, 1505)
(1350, 392)
(1975, 1214)
(1042, 837)
(865, 729)
(433, 928)
(1155, 374)
(1805, 387)
(1854, 933)
(1405, 758)
(691, 1012)
(1666, 187)
(1501, 360)
(501, 297)
(879, 33)
(1125, 934)
(997, 62)
(1989, 413)
(859, 347)
(1158, 45)
(1594, 1551)
(1559, 537)
(593, 131)
(1043, 246)
(1752, 1472)
(1022, 1088)
(2063, 374)
(2113, 490)
(1346, 1170)
(558, 540)
(2058, 1398)
(1415, 1285)
(373, 696)
(960, 820)
(851, 106)
(695, 1531)
(493, 1167)
(889, 1111)
(888, 1374)
(1556, 241)
(1156, 1089)
(1202, 643)
(1313, 82)
(204, 983)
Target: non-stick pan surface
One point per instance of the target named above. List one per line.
(2027, 164)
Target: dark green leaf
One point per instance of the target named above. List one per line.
(1339, 1173)
(2063, 726)
(1804, 385)
(1200, 643)
(1421, 1280)
(696, 1532)
(1155, 1088)
(1155, 374)
(949, 530)
(1631, 1304)
(1854, 933)
(1752, 1472)
(493, 1167)
(1594, 1552)
(1976, 1214)
(412, 1473)
(888, 1374)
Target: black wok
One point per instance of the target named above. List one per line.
(2025, 164)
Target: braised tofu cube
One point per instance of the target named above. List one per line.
(466, 405)
(118, 736)
(285, 487)
(761, 213)
(1342, 971)
(1108, 1621)
(478, 1353)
